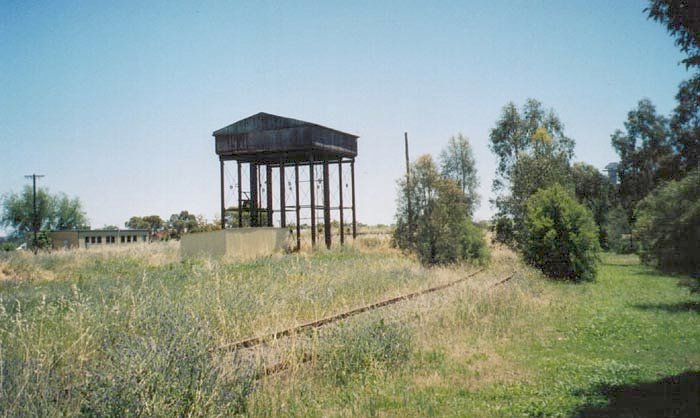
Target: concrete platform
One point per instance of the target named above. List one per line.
(239, 243)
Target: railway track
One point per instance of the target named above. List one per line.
(255, 341)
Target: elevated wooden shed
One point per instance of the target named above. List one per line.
(272, 146)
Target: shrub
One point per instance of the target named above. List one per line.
(619, 232)
(668, 225)
(561, 238)
(351, 351)
(439, 226)
(473, 244)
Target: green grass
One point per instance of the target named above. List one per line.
(127, 333)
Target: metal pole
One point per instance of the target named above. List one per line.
(408, 187)
(354, 206)
(268, 185)
(223, 203)
(240, 197)
(326, 204)
(253, 194)
(35, 215)
(312, 187)
(340, 195)
(283, 198)
(298, 208)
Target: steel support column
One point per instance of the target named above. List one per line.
(268, 186)
(326, 204)
(312, 189)
(354, 206)
(340, 197)
(298, 207)
(283, 200)
(240, 197)
(223, 204)
(253, 194)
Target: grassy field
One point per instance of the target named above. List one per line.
(128, 331)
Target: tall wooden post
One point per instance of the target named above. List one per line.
(312, 189)
(298, 207)
(268, 186)
(240, 197)
(283, 200)
(354, 204)
(223, 203)
(326, 204)
(340, 197)
(253, 194)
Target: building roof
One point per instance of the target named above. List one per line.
(270, 139)
(102, 230)
(268, 122)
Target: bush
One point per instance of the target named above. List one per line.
(668, 226)
(473, 244)
(439, 227)
(561, 238)
(619, 232)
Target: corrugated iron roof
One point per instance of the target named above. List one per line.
(267, 122)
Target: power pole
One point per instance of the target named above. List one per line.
(408, 185)
(35, 215)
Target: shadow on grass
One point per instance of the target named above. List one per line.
(681, 307)
(672, 396)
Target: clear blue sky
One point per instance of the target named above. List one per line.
(115, 102)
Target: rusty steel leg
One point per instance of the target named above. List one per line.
(312, 188)
(326, 205)
(268, 186)
(253, 194)
(340, 196)
(298, 207)
(354, 205)
(283, 200)
(240, 197)
(223, 204)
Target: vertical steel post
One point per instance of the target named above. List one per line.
(340, 196)
(354, 205)
(283, 198)
(253, 194)
(298, 207)
(223, 204)
(312, 188)
(240, 197)
(268, 185)
(326, 204)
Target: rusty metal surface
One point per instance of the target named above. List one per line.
(251, 342)
(267, 138)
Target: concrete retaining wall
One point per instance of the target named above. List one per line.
(234, 243)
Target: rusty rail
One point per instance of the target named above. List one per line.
(254, 341)
(286, 364)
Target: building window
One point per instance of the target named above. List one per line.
(92, 240)
(128, 238)
(87, 240)
(122, 239)
(99, 240)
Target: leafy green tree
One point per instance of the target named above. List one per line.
(54, 212)
(682, 20)
(457, 163)
(595, 192)
(533, 152)
(646, 155)
(668, 225)
(560, 237)
(437, 231)
(619, 231)
(181, 223)
(153, 223)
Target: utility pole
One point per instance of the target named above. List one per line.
(35, 218)
(408, 185)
